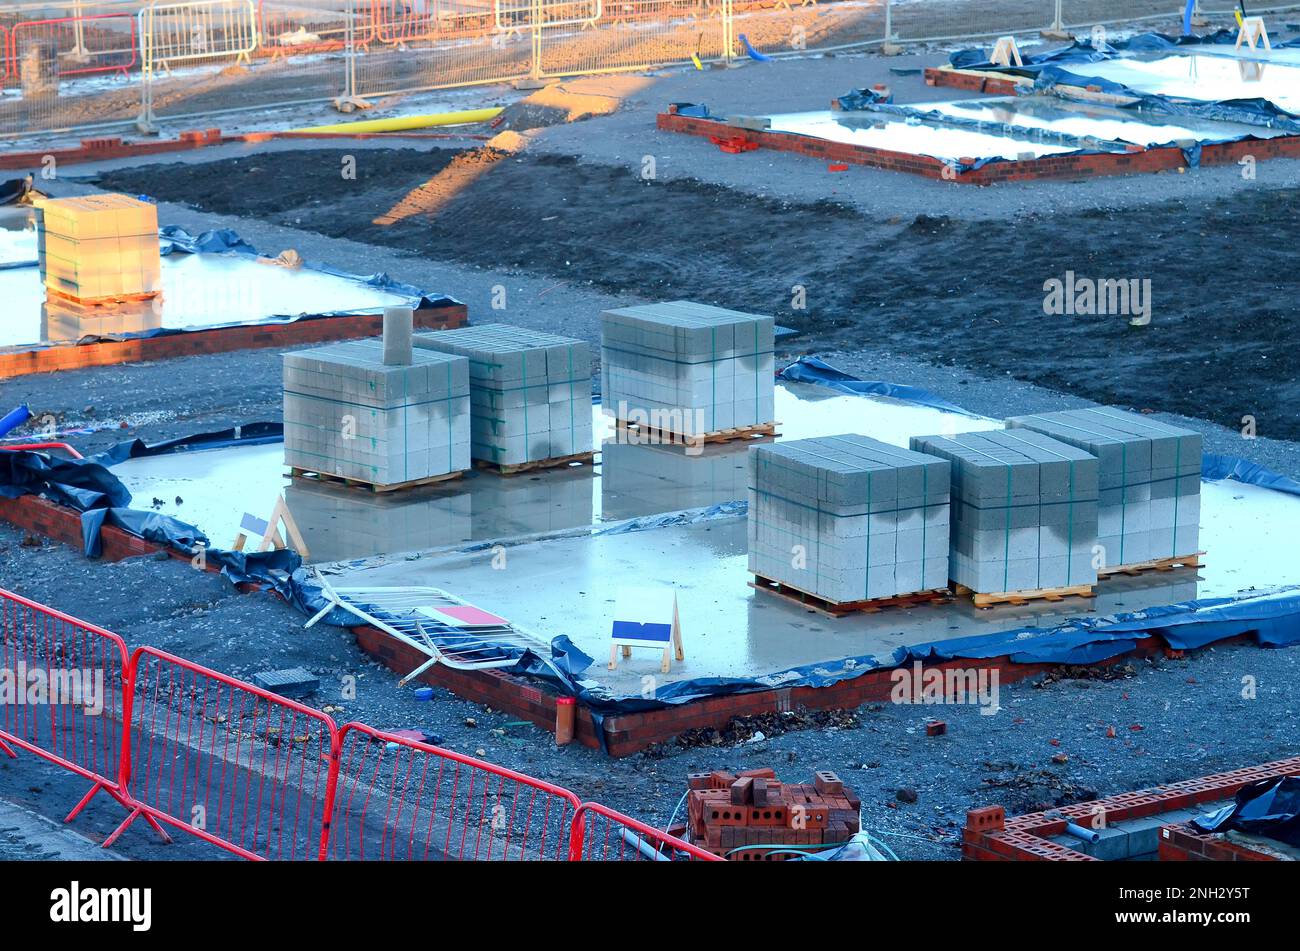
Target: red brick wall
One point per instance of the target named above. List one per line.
(972, 80)
(99, 149)
(1024, 838)
(1180, 844)
(61, 524)
(216, 340)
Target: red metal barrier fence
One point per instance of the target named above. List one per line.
(235, 765)
(398, 799)
(80, 669)
(602, 835)
(263, 777)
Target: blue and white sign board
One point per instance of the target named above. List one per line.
(645, 616)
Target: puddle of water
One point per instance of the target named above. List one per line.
(17, 234)
(1205, 78)
(217, 486)
(199, 290)
(568, 585)
(1021, 120)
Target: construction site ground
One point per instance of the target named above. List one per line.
(927, 283)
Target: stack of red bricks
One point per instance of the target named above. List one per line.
(752, 816)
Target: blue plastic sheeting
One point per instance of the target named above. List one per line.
(87, 486)
(1272, 620)
(1083, 51)
(684, 517)
(176, 239)
(249, 434)
(1268, 808)
(858, 99)
(14, 190)
(692, 110)
(1243, 470)
(225, 241)
(821, 373)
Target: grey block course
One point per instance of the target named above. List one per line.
(1024, 510)
(848, 518)
(530, 391)
(348, 414)
(687, 368)
(1149, 476)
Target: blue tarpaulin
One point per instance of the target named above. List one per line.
(87, 486)
(1084, 51)
(1068, 66)
(821, 373)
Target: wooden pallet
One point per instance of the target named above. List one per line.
(838, 609)
(581, 458)
(1156, 564)
(654, 436)
(109, 301)
(326, 478)
(993, 599)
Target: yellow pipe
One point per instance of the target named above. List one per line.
(405, 123)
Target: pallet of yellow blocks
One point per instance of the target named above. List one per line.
(99, 247)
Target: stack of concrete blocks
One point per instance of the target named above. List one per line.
(98, 247)
(1150, 479)
(348, 414)
(530, 391)
(848, 518)
(67, 320)
(687, 368)
(338, 526)
(1024, 510)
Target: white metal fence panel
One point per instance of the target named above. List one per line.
(85, 64)
(67, 68)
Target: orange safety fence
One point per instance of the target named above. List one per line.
(81, 45)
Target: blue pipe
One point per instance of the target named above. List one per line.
(1079, 832)
(753, 53)
(1187, 17)
(14, 419)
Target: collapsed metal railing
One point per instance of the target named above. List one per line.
(266, 778)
